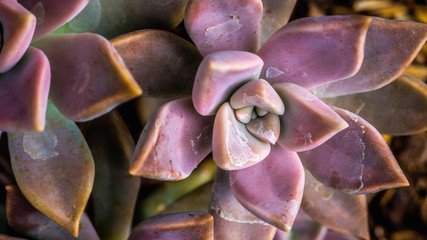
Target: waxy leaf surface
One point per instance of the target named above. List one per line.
(23, 93)
(163, 64)
(220, 25)
(27, 220)
(307, 121)
(275, 15)
(310, 51)
(271, 190)
(266, 128)
(402, 104)
(17, 25)
(54, 169)
(88, 76)
(173, 142)
(355, 160)
(304, 228)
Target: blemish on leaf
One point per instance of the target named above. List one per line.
(40, 145)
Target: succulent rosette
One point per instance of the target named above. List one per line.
(263, 113)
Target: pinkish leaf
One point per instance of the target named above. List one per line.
(17, 30)
(244, 114)
(275, 15)
(88, 76)
(27, 220)
(23, 93)
(163, 64)
(221, 25)
(355, 160)
(335, 209)
(271, 190)
(173, 142)
(233, 147)
(219, 75)
(179, 226)
(307, 122)
(115, 191)
(310, 51)
(231, 220)
(402, 104)
(51, 14)
(304, 228)
(266, 128)
(54, 169)
(390, 47)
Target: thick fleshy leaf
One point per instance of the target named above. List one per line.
(355, 160)
(5, 237)
(27, 220)
(88, 76)
(173, 142)
(310, 51)
(197, 200)
(221, 25)
(51, 14)
(54, 169)
(271, 190)
(111, 18)
(17, 29)
(275, 15)
(391, 45)
(23, 93)
(266, 128)
(115, 191)
(258, 93)
(307, 122)
(335, 209)
(403, 105)
(304, 228)
(219, 75)
(163, 64)
(232, 221)
(244, 114)
(179, 226)
(233, 147)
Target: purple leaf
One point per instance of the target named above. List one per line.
(307, 122)
(221, 25)
(179, 226)
(271, 190)
(88, 76)
(335, 209)
(51, 14)
(163, 64)
(391, 45)
(27, 220)
(54, 169)
(403, 105)
(304, 228)
(356, 160)
(275, 15)
(173, 142)
(266, 128)
(17, 30)
(23, 93)
(310, 51)
(233, 147)
(231, 220)
(219, 75)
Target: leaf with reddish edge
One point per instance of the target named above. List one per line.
(233, 221)
(219, 75)
(163, 64)
(23, 93)
(335, 209)
(54, 169)
(17, 30)
(114, 191)
(27, 220)
(307, 121)
(390, 47)
(174, 141)
(355, 160)
(275, 15)
(406, 106)
(271, 190)
(310, 51)
(179, 226)
(89, 78)
(51, 14)
(221, 25)
(233, 146)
